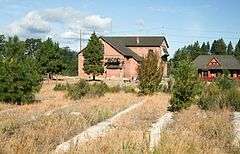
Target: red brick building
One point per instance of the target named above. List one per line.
(122, 55)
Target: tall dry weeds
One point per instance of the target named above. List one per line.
(196, 131)
(129, 134)
(30, 130)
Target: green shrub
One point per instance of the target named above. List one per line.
(150, 74)
(128, 89)
(114, 89)
(220, 94)
(78, 90)
(224, 83)
(98, 89)
(211, 98)
(60, 87)
(186, 86)
(233, 98)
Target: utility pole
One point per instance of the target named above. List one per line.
(80, 41)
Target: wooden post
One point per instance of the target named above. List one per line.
(209, 74)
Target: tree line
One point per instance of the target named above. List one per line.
(218, 47)
(23, 64)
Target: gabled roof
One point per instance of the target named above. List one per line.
(225, 61)
(121, 44)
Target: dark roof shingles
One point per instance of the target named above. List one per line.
(226, 62)
(122, 43)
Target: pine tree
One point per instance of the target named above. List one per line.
(186, 85)
(230, 49)
(208, 47)
(237, 50)
(150, 73)
(19, 75)
(93, 57)
(219, 47)
(205, 48)
(195, 50)
(32, 46)
(49, 58)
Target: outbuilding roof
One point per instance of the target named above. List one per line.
(225, 62)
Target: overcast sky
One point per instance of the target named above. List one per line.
(181, 22)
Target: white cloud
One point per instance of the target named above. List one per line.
(97, 21)
(31, 24)
(69, 35)
(63, 24)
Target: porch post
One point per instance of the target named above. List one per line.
(209, 74)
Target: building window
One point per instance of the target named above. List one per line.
(113, 63)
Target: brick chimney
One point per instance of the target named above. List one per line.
(138, 40)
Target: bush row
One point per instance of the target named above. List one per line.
(97, 89)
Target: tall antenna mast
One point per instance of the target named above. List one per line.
(80, 43)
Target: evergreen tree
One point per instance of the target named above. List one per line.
(205, 48)
(219, 47)
(195, 50)
(2, 42)
(237, 50)
(19, 75)
(230, 49)
(70, 60)
(150, 74)
(208, 47)
(49, 58)
(93, 57)
(33, 46)
(186, 85)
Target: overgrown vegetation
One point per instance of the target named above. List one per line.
(186, 86)
(96, 89)
(78, 90)
(60, 87)
(129, 89)
(114, 89)
(130, 133)
(150, 74)
(197, 132)
(222, 93)
(28, 129)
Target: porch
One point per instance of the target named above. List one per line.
(209, 75)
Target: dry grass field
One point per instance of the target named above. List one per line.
(40, 127)
(28, 129)
(194, 131)
(198, 132)
(130, 133)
